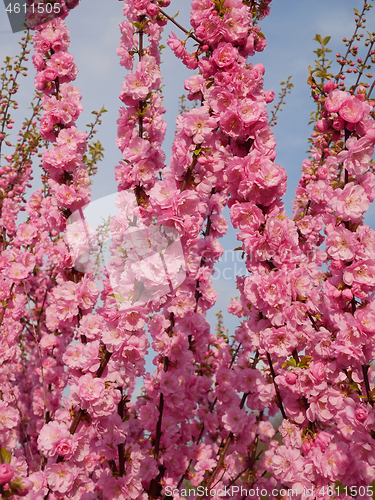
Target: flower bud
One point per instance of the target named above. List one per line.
(327, 87)
(152, 9)
(291, 378)
(6, 473)
(269, 96)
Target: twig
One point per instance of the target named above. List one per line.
(121, 446)
(223, 452)
(371, 89)
(278, 395)
(179, 25)
(41, 365)
(365, 369)
(6, 304)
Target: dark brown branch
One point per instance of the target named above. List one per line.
(278, 395)
(121, 446)
(178, 25)
(188, 173)
(371, 89)
(141, 103)
(365, 369)
(104, 362)
(158, 426)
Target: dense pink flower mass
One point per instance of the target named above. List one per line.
(71, 354)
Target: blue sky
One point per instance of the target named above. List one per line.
(289, 31)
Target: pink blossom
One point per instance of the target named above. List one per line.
(66, 448)
(198, 124)
(291, 434)
(225, 54)
(335, 461)
(351, 109)
(176, 45)
(61, 476)
(366, 320)
(231, 123)
(334, 100)
(351, 202)
(50, 437)
(279, 341)
(341, 243)
(362, 272)
(265, 431)
(6, 473)
(358, 154)
(9, 417)
(287, 462)
(234, 420)
(91, 390)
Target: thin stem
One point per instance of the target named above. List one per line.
(351, 42)
(365, 369)
(278, 395)
(371, 89)
(211, 407)
(158, 427)
(121, 446)
(6, 305)
(141, 103)
(179, 25)
(368, 56)
(188, 173)
(26, 437)
(41, 366)
(223, 452)
(219, 463)
(14, 87)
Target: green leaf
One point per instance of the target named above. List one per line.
(353, 385)
(5, 456)
(326, 40)
(318, 38)
(305, 361)
(117, 296)
(290, 362)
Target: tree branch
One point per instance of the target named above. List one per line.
(179, 26)
(278, 395)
